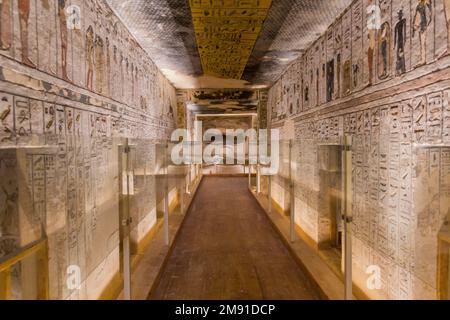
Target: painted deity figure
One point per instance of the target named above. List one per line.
(422, 20)
(63, 36)
(384, 45)
(355, 70)
(338, 74)
(330, 80)
(5, 24)
(317, 102)
(116, 73)
(122, 76)
(90, 57)
(371, 54)
(24, 15)
(8, 207)
(399, 43)
(447, 18)
(371, 41)
(108, 67)
(347, 77)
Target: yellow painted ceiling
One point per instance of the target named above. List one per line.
(226, 32)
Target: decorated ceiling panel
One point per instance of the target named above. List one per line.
(227, 101)
(226, 43)
(224, 123)
(226, 32)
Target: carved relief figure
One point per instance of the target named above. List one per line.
(132, 82)
(63, 36)
(8, 223)
(317, 102)
(347, 82)
(399, 43)
(422, 19)
(108, 68)
(99, 63)
(122, 75)
(338, 74)
(306, 93)
(447, 17)
(127, 77)
(371, 53)
(136, 81)
(5, 24)
(115, 73)
(24, 15)
(90, 57)
(384, 49)
(355, 75)
(330, 80)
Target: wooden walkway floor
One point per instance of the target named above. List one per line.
(227, 249)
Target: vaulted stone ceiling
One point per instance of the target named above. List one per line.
(226, 43)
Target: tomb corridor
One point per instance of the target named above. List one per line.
(225, 150)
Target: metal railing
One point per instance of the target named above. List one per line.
(37, 250)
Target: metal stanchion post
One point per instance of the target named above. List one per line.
(166, 198)
(291, 196)
(347, 215)
(258, 179)
(126, 225)
(269, 194)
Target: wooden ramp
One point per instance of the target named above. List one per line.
(227, 249)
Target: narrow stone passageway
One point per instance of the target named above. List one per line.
(227, 249)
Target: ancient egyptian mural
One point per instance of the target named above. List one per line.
(226, 32)
(72, 82)
(220, 101)
(354, 82)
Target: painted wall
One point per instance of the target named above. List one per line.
(76, 85)
(390, 89)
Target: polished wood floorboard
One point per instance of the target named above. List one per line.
(227, 249)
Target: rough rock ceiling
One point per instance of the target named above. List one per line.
(165, 29)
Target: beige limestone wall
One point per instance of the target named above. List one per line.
(75, 88)
(389, 89)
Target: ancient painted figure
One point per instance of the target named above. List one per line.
(108, 67)
(99, 63)
(8, 204)
(371, 54)
(63, 35)
(346, 87)
(355, 75)
(371, 41)
(24, 15)
(384, 49)
(330, 80)
(306, 93)
(90, 57)
(5, 24)
(338, 73)
(421, 21)
(447, 17)
(399, 43)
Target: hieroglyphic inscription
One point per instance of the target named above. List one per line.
(226, 32)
